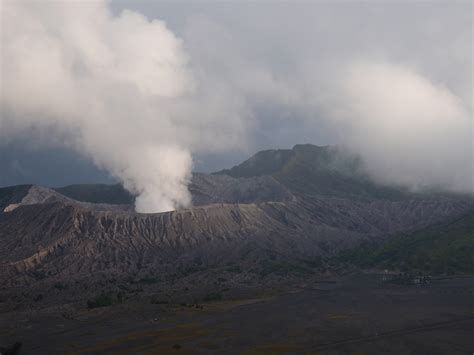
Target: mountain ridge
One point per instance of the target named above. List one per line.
(267, 226)
(306, 168)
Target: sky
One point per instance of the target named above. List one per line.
(203, 85)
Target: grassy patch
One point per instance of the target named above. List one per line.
(283, 268)
(212, 297)
(105, 300)
(445, 248)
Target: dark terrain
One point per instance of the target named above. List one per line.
(355, 314)
(269, 259)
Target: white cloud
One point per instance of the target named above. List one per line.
(409, 130)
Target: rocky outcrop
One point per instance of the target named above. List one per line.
(16, 196)
(61, 240)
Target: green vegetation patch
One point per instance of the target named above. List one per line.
(212, 297)
(105, 300)
(283, 268)
(444, 248)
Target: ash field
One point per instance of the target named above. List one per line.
(358, 313)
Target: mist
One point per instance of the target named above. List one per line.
(141, 96)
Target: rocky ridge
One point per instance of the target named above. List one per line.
(247, 222)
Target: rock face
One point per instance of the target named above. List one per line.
(236, 219)
(23, 195)
(207, 189)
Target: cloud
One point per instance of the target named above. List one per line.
(409, 130)
(94, 78)
(141, 100)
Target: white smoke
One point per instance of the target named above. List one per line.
(121, 90)
(409, 130)
(73, 67)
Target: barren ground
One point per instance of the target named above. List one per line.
(355, 314)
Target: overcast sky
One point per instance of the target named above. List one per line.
(270, 74)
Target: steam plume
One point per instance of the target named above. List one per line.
(95, 78)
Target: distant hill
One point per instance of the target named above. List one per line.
(315, 170)
(98, 193)
(268, 175)
(275, 174)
